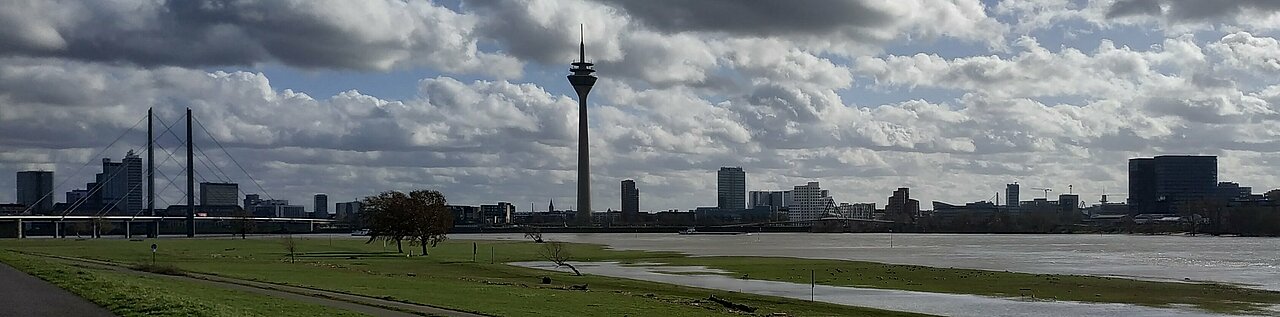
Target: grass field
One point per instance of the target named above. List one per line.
(132, 295)
(447, 278)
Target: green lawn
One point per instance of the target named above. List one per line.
(446, 278)
(132, 295)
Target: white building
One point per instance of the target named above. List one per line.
(809, 202)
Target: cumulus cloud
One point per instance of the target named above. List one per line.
(792, 93)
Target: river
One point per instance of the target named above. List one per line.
(1248, 261)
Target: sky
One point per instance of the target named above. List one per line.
(952, 98)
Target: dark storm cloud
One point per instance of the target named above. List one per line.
(1199, 10)
(1183, 11)
(757, 18)
(359, 35)
(1126, 8)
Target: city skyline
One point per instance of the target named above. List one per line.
(862, 104)
(1177, 178)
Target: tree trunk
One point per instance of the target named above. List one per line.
(571, 267)
(424, 247)
(399, 248)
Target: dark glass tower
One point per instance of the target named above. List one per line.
(582, 81)
(1142, 185)
(630, 201)
(1165, 183)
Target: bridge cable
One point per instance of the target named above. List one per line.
(86, 164)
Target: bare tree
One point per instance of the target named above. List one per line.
(556, 253)
(290, 246)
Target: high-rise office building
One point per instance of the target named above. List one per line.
(1142, 185)
(775, 199)
(134, 194)
(630, 201)
(731, 188)
(118, 189)
(1011, 192)
(320, 204)
(1165, 184)
(219, 194)
(35, 191)
(809, 202)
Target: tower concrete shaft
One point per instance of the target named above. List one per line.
(582, 81)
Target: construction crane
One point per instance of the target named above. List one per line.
(1046, 191)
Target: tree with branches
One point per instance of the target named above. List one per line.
(419, 216)
(555, 252)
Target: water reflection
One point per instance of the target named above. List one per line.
(909, 301)
(1241, 260)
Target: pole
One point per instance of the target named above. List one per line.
(474, 246)
(153, 229)
(20, 233)
(813, 283)
(191, 185)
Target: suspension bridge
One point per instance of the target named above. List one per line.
(182, 219)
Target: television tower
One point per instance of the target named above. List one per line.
(582, 80)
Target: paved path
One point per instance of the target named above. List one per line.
(362, 304)
(23, 295)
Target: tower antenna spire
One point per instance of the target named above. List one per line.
(582, 44)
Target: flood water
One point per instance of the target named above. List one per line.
(909, 301)
(1252, 262)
